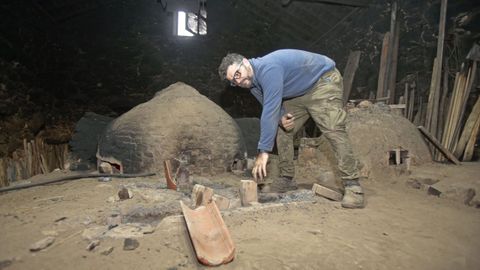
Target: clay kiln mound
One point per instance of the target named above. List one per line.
(178, 123)
(374, 133)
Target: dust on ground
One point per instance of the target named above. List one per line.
(400, 228)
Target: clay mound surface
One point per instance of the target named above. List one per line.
(374, 133)
(178, 123)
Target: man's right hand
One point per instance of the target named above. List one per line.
(287, 121)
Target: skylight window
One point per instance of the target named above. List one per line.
(190, 24)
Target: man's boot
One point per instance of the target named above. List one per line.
(353, 196)
(283, 184)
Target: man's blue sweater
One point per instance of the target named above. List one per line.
(281, 75)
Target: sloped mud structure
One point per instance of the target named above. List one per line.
(178, 123)
(377, 135)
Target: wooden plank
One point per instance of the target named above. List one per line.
(397, 106)
(392, 70)
(349, 73)
(405, 95)
(468, 129)
(439, 146)
(327, 192)
(383, 66)
(450, 123)
(467, 156)
(411, 104)
(3, 173)
(352, 3)
(431, 122)
(465, 94)
(431, 98)
(443, 101)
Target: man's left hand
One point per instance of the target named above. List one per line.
(260, 167)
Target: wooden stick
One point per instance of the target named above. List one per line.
(439, 146)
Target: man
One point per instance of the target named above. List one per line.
(293, 85)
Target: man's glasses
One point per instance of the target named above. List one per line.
(236, 75)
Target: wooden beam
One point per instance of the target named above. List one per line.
(439, 146)
(468, 129)
(383, 66)
(351, 3)
(467, 156)
(349, 74)
(434, 96)
(393, 59)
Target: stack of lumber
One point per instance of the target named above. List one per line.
(36, 157)
(466, 144)
(456, 109)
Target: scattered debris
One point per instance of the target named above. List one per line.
(42, 244)
(209, 234)
(60, 219)
(248, 192)
(130, 230)
(124, 194)
(130, 244)
(5, 263)
(92, 245)
(462, 193)
(114, 220)
(50, 233)
(106, 251)
(148, 229)
(94, 232)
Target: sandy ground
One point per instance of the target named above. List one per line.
(401, 228)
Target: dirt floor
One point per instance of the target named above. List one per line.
(400, 228)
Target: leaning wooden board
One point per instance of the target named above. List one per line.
(210, 237)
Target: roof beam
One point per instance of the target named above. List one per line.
(351, 3)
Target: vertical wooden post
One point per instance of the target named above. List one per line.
(434, 96)
(349, 74)
(383, 66)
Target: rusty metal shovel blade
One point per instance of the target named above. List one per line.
(210, 237)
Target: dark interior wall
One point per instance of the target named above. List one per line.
(365, 28)
(56, 65)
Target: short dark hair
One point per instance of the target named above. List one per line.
(230, 59)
